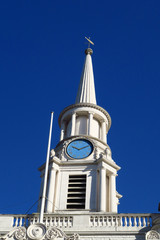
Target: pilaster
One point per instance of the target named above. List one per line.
(102, 188)
(51, 190)
(113, 203)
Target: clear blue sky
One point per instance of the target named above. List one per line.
(41, 57)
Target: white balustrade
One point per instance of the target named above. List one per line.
(118, 221)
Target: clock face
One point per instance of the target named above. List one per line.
(79, 148)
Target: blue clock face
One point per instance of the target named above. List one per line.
(79, 148)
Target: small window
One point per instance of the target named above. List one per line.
(76, 192)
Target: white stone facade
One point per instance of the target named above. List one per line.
(82, 226)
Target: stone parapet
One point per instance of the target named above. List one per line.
(84, 225)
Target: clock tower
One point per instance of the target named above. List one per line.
(82, 174)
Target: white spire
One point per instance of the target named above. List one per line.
(86, 90)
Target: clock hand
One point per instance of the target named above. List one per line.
(84, 147)
(76, 148)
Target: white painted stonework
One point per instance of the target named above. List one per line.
(82, 198)
(81, 226)
(86, 91)
(87, 121)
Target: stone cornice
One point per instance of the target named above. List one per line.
(91, 105)
(112, 164)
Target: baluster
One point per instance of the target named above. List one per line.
(120, 221)
(49, 221)
(16, 222)
(24, 222)
(104, 221)
(54, 221)
(13, 222)
(144, 222)
(116, 221)
(58, 221)
(20, 222)
(130, 221)
(109, 221)
(100, 221)
(61, 221)
(148, 221)
(139, 222)
(91, 221)
(96, 221)
(135, 222)
(66, 221)
(125, 221)
(46, 221)
(112, 223)
(70, 221)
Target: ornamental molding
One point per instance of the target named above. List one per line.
(38, 231)
(86, 105)
(152, 235)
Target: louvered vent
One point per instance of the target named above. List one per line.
(76, 192)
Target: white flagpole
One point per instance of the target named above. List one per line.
(46, 174)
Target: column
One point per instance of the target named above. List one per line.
(103, 131)
(113, 203)
(51, 190)
(73, 124)
(90, 123)
(102, 187)
(62, 130)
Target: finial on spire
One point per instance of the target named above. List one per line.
(88, 51)
(86, 92)
(89, 42)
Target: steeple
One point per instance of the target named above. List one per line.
(86, 90)
(82, 173)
